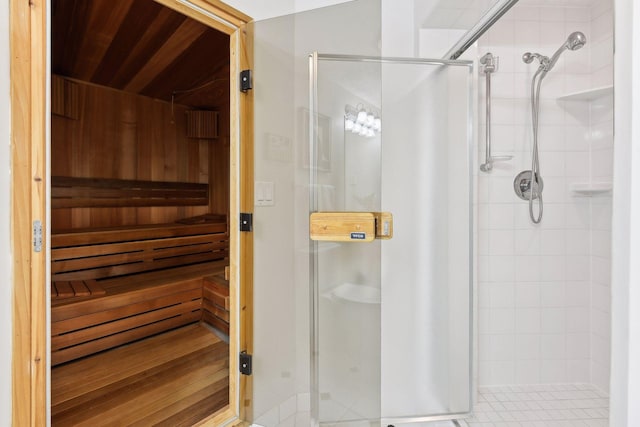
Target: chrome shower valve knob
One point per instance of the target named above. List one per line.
(522, 185)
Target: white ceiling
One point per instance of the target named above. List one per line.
(461, 14)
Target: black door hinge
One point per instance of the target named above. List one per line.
(246, 221)
(245, 363)
(246, 80)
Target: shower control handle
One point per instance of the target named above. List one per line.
(522, 185)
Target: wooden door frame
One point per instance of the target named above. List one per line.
(29, 184)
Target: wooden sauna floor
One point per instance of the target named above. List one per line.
(174, 379)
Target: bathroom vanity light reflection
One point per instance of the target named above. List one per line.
(362, 122)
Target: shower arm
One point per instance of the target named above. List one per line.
(490, 65)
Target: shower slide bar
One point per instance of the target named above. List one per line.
(490, 65)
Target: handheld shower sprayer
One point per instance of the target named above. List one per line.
(575, 41)
(528, 184)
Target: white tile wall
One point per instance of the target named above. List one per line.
(543, 290)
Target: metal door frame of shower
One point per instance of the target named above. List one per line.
(313, 206)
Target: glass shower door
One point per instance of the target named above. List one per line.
(391, 226)
(345, 177)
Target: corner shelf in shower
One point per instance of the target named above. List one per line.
(589, 189)
(354, 293)
(589, 94)
(322, 247)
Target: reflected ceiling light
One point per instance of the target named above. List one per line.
(370, 119)
(362, 117)
(348, 124)
(377, 124)
(362, 122)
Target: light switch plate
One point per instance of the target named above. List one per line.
(264, 193)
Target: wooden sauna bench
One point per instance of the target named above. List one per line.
(118, 285)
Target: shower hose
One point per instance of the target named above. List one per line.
(535, 161)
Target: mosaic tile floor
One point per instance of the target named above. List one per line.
(547, 405)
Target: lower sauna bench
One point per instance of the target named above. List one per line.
(112, 287)
(130, 310)
(215, 302)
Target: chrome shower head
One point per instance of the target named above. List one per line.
(575, 40)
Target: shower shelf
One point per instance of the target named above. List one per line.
(322, 247)
(588, 95)
(354, 293)
(592, 189)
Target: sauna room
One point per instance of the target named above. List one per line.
(139, 215)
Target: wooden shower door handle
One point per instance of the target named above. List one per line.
(350, 226)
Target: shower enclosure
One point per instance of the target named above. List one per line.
(390, 323)
(392, 317)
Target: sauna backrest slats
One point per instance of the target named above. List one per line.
(141, 250)
(139, 256)
(138, 267)
(92, 236)
(72, 192)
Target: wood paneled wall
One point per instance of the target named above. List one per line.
(121, 135)
(219, 167)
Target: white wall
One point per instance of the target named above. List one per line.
(274, 289)
(5, 253)
(600, 41)
(259, 10)
(398, 32)
(625, 369)
(304, 5)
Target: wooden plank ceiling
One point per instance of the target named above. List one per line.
(142, 47)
